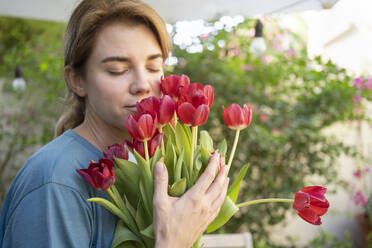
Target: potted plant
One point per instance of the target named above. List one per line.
(365, 224)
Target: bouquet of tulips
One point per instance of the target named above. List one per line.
(166, 130)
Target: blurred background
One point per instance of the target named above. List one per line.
(305, 67)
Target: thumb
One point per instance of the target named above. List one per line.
(160, 181)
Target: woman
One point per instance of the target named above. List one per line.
(114, 55)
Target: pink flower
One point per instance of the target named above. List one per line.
(292, 52)
(275, 131)
(357, 98)
(203, 37)
(264, 118)
(359, 198)
(368, 84)
(357, 173)
(358, 83)
(247, 67)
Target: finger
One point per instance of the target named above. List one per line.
(216, 205)
(218, 185)
(160, 182)
(208, 175)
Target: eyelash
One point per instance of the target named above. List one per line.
(153, 70)
(114, 73)
(117, 73)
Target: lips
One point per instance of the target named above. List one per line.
(131, 108)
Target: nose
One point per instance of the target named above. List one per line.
(141, 85)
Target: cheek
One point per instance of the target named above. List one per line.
(156, 91)
(107, 89)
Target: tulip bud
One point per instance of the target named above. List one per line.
(99, 175)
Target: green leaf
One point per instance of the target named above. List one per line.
(178, 188)
(197, 166)
(149, 232)
(222, 147)
(147, 203)
(233, 190)
(128, 220)
(146, 184)
(170, 134)
(178, 167)
(127, 174)
(155, 158)
(148, 236)
(140, 216)
(206, 141)
(183, 141)
(185, 174)
(227, 210)
(123, 235)
(170, 156)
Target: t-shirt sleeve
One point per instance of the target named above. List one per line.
(52, 216)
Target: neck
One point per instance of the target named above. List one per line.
(100, 134)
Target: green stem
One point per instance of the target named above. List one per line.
(175, 119)
(253, 202)
(147, 152)
(193, 147)
(162, 147)
(233, 148)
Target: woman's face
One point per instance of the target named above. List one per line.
(125, 66)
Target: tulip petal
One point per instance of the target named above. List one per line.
(166, 110)
(208, 92)
(146, 126)
(185, 112)
(319, 207)
(314, 189)
(301, 200)
(309, 216)
(87, 177)
(132, 127)
(154, 143)
(201, 115)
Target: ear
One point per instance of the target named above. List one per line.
(74, 81)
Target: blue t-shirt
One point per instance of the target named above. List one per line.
(46, 205)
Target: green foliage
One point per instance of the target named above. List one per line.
(327, 240)
(293, 98)
(29, 117)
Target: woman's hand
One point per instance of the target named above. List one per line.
(178, 222)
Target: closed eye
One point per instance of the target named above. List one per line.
(117, 73)
(153, 70)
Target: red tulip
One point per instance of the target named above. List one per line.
(163, 108)
(117, 150)
(99, 175)
(311, 203)
(197, 94)
(194, 103)
(152, 144)
(237, 118)
(141, 126)
(172, 84)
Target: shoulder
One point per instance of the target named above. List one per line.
(56, 163)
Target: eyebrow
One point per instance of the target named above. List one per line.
(125, 59)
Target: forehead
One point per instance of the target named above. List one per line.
(120, 39)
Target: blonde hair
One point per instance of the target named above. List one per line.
(82, 30)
